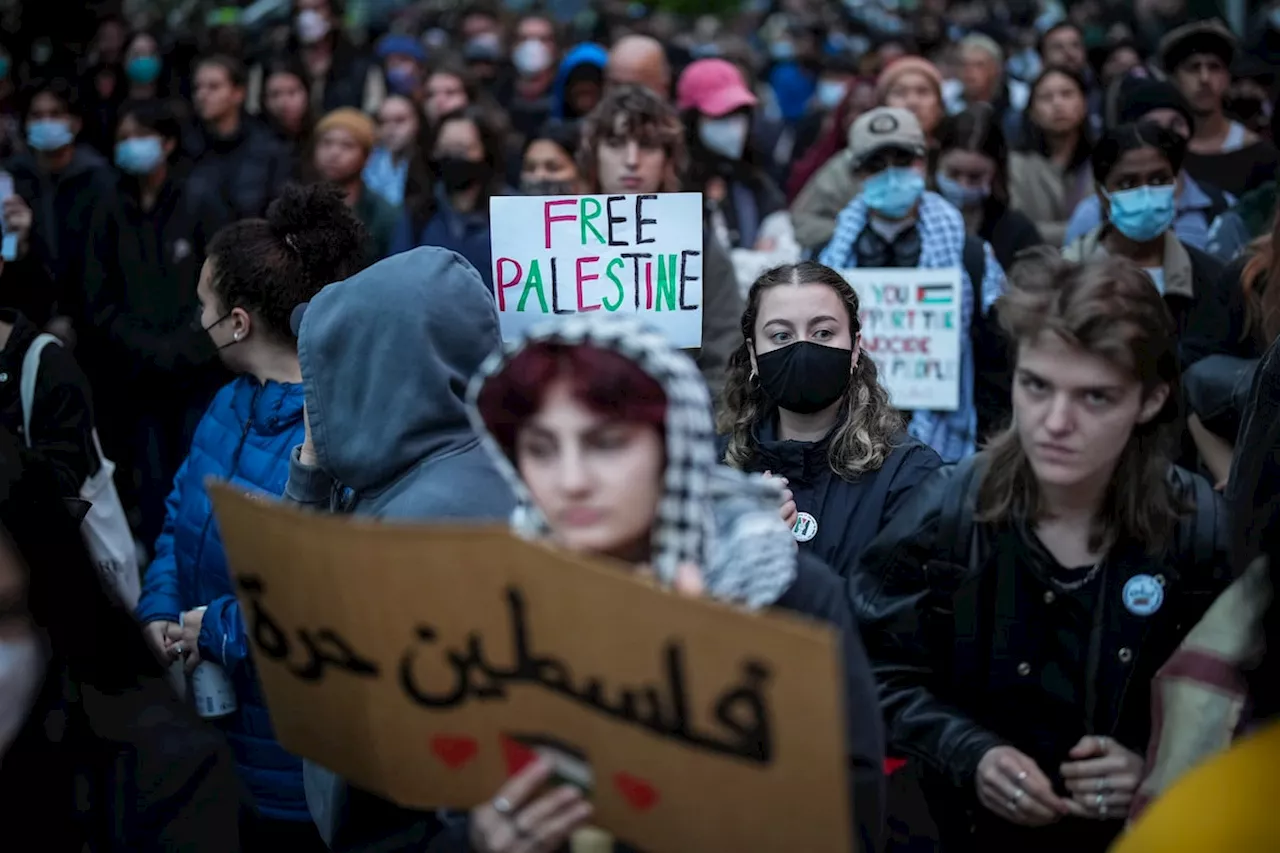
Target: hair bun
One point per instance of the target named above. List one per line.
(315, 222)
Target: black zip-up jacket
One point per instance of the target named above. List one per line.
(140, 283)
(961, 636)
(849, 514)
(62, 408)
(241, 174)
(62, 207)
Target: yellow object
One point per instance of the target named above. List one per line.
(1229, 804)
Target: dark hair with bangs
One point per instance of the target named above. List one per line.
(604, 381)
(1135, 136)
(633, 112)
(1109, 309)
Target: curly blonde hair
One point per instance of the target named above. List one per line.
(863, 440)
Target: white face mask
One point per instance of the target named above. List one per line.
(531, 57)
(725, 136)
(830, 93)
(21, 674)
(312, 26)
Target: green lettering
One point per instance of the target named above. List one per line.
(585, 218)
(668, 280)
(531, 282)
(608, 272)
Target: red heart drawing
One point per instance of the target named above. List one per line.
(640, 794)
(454, 750)
(517, 755)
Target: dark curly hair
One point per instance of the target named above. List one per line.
(309, 239)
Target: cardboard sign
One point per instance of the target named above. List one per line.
(429, 664)
(638, 254)
(911, 322)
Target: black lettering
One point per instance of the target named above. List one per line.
(555, 292)
(641, 221)
(611, 219)
(637, 257)
(267, 636)
(685, 277)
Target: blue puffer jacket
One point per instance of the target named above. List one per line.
(246, 437)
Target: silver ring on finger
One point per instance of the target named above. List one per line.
(178, 648)
(502, 806)
(1012, 805)
(1022, 776)
(1103, 785)
(1018, 794)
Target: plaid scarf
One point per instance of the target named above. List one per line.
(725, 522)
(942, 236)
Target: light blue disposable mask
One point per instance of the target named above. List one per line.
(961, 195)
(830, 93)
(782, 51)
(139, 156)
(1144, 213)
(893, 192)
(49, 134)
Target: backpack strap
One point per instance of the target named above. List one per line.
(1198, 536)
(30, 373)
(1218, 203)
(975, 266)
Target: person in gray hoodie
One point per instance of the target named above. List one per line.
(386, 356)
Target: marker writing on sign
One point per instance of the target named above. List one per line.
(325, 649)
(581, 277)
(740, 709)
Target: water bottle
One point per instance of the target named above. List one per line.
(211, 689)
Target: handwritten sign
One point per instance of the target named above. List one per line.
(428, 664)
(911, 326)
(639, 254)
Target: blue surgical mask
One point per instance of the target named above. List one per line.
(139, 156)
(893, 192)
(1144, 213)
(1274, 17)
(402, 79)
(782, 51)
(49, 134)
(961, 195)
(830, 93)
(4, 67)
(143, 69)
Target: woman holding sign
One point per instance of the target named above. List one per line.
(1018, 606)
(805, 403)
(605, 433)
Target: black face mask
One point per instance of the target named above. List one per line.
(805, 377)
(455, 174)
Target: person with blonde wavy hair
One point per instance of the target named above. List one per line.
(804, 403)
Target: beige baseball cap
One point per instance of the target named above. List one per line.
(885, 127)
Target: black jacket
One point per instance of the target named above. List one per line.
(959, 637)
(240, 174)
(140, 283)
(62, 409)
(849, 513)
(1205, 325)
(62, 209)
(1008, 232)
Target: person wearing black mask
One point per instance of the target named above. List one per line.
(449, 206)
(804, 403)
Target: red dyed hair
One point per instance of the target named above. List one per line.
(607, 383)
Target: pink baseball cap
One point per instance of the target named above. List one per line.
(713, 87)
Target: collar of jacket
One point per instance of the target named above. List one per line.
(802, 461)
(1178, 279)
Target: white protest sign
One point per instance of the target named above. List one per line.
(631, 254)
(911, 326)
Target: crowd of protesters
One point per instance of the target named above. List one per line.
(256, 247)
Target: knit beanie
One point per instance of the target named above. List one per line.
(351, 120)
(901, 66)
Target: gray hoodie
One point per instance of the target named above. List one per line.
(386, 356)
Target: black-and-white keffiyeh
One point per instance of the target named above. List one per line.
(723, 521)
